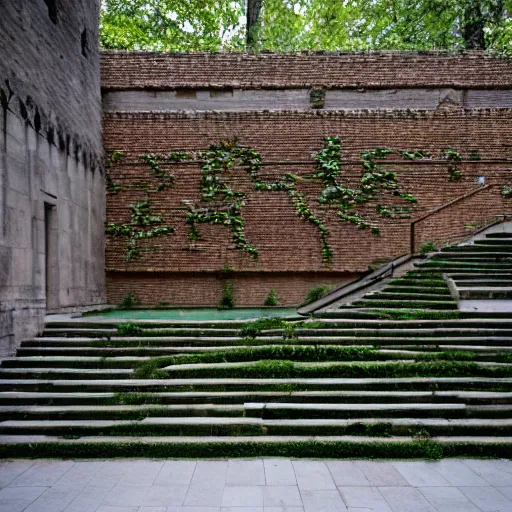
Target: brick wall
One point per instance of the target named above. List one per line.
(140, 70)
(205, 289)
(178, 271)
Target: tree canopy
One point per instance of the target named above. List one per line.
(292, 25)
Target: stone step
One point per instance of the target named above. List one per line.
(239, 397)
(499, 235)
(117, 412)
(478, 248)
(505, 276)
(348, 342)
(267, 384)
(417, 289)
(200, 426)
(327, 330)
(309, 446)
(413, 284)
(402, 367)
(408, 304)
(447, 266)
(484, 293)
(472, 256)
(265, 410)
(177, 331)
(284, 410)
(64, 373)
(362, 323)
(397, 295)
(494, 241)
(485, 283)
(74, 361)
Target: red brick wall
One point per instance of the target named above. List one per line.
(140, 70)
(460, 219)
(178, 271)
(205, 289)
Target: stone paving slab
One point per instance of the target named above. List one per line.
(256, 485)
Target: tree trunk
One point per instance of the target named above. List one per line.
(473, 31)
(253, 14)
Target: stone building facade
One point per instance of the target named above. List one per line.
(52, 200)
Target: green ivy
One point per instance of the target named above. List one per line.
(141, 217)
(454, 173)
(506, 191)
(112, 158)
(226, 203)
(413, 155)
(301, 206)
(374, 180)
(165, 179)
(451, 154)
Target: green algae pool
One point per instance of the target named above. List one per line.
(197, 314)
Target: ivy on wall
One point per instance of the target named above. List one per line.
(221, 204)
(225, 204)
(112, 158)
(141, 227)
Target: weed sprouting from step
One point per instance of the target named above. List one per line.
(252, 329)
(415, 314)
(129, 329)
(131, 399)
(272, 299)
(130, 301)
(150, 370)
(428, 247)
(316, 293)
(288, 369)
(226, 301)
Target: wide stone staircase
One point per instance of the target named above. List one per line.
(400, 372)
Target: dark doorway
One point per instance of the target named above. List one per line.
(51, 256)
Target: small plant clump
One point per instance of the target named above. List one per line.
(252, 329)
(226, 301)
(130, 301)
(428, 247)
(506, 191)
(272, 299)
(129, 329)
(150, 370)
(316, 294)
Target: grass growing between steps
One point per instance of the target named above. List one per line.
(414, 314)
(150, 370)
(306, 353)
(414, 449)
(309, 449)
(288, 369)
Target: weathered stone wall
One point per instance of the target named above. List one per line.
(52, 201)
(282, 106)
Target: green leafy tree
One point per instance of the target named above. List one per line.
(171, 25)
(292, 25)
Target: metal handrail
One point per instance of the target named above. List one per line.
(412, 236)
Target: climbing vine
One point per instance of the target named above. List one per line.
(112, 158)
(224, 203)
(164, 178)
(220, 204)
(375, 179)
(140, 227)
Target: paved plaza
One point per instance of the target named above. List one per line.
(269, 485)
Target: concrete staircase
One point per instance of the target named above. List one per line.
(398, 373)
